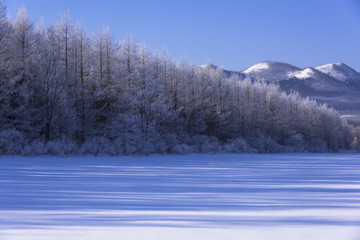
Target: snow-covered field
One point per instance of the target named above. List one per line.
(194, 197)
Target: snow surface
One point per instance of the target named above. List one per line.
(257, 68)
(246, 196)
(328, 68)
(304, 73)
(204, 65)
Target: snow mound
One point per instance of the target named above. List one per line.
(208, 66)
(257, 68)
(304, 73)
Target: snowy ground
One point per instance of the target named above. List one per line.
(195, 197)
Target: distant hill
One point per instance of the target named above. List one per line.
(336, 84)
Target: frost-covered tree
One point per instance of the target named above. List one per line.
(49, 99)
(128, 60)
(22, 69)
(5, 57)
(83, 88)
(4, 34)
(64, 31)
(105, 102)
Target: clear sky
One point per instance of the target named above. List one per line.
(235, 34)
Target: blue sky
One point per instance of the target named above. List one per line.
(233, 34)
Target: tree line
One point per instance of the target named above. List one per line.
(64, 92)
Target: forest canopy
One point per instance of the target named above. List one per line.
(64, 92)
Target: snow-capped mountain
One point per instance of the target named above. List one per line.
(270, 71)
(339, 71)
(337, 85)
